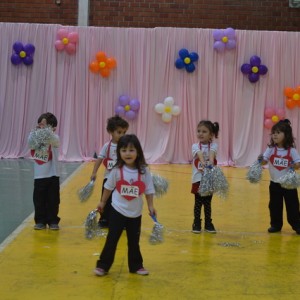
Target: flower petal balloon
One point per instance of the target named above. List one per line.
(224, 39)
(102, 64)
(66, 41)
(127, 107)
(22, 53)
(273, 116)
(186, 60)
(167, 109)
(292, 97)
(254, 69)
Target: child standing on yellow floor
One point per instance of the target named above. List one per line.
(116, 127)
(281, 155)
(204, 155)
(127, 181)
(45, 152)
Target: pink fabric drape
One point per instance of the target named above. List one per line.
(83, 101)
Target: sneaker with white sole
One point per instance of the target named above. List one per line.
(142, 271)
(53, 227)
(100, 272)
(39, 226)
(210, 228)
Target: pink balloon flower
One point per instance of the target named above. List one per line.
(66, 41)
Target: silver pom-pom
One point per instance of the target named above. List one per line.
(206, 184)
(161, 185)
(156, 236)
(85, 192)
(254, 173)
(91, 226)
(40, 138)
(291, 180)
(220, 184)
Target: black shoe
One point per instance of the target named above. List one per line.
(196, 228)
(103, 224)
(273, 229)
(210, 228)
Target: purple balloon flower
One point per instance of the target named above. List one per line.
(127, 108)
(186, 60)
(224, 39)
(254, 69)
(22, 53)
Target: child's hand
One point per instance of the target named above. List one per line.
(152, 212)
(100, 207)
(93, 177)
(260, 158)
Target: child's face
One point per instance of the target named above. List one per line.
(203, 134)
(116, 134)
(278, 138)
(43, 123)
(128, 155)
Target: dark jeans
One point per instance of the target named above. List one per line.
(46, 199)
(133, 230)
(290, 198)
(107, 208)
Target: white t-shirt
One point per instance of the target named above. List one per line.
(276, 173)
(205, 148)
(132, 208)
(51, 167)
(112, 155)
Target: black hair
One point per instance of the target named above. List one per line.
(50, 119)
(285, 127)
(212, 127)
(125, 141)
(114, 122)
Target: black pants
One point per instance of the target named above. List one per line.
(46, 199)
(290, 198)
(133, 231)
(206, 202)
(107, 208)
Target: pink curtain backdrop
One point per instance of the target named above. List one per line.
(82, 101)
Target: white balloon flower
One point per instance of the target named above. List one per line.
(167, 109)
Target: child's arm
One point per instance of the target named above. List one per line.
(105, 196)
(212, 155)
(260, 158)
(151, 208)
(296, 166)
(201, 158)
(96, 167)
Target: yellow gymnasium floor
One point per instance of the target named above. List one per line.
(241, 261)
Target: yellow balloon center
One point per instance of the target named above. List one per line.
(168, 109)
(102, 64)
(254, 69)
(296, 97)
(187, 60)
(22, 54)
(127, 107)
(275, 119)
(225, 39)
(65, 41)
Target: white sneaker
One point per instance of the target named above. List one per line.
(100, 272)
(142, 271)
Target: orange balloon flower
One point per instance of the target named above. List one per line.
(292, 97)
(102, 64)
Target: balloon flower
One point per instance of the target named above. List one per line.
(167, 109)
(273, 116)
(66, 41)
(254, 69)
(224, 39)
(127, 108)
(292, 97)
(22, 53)
(186, 60)
(102, 64)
